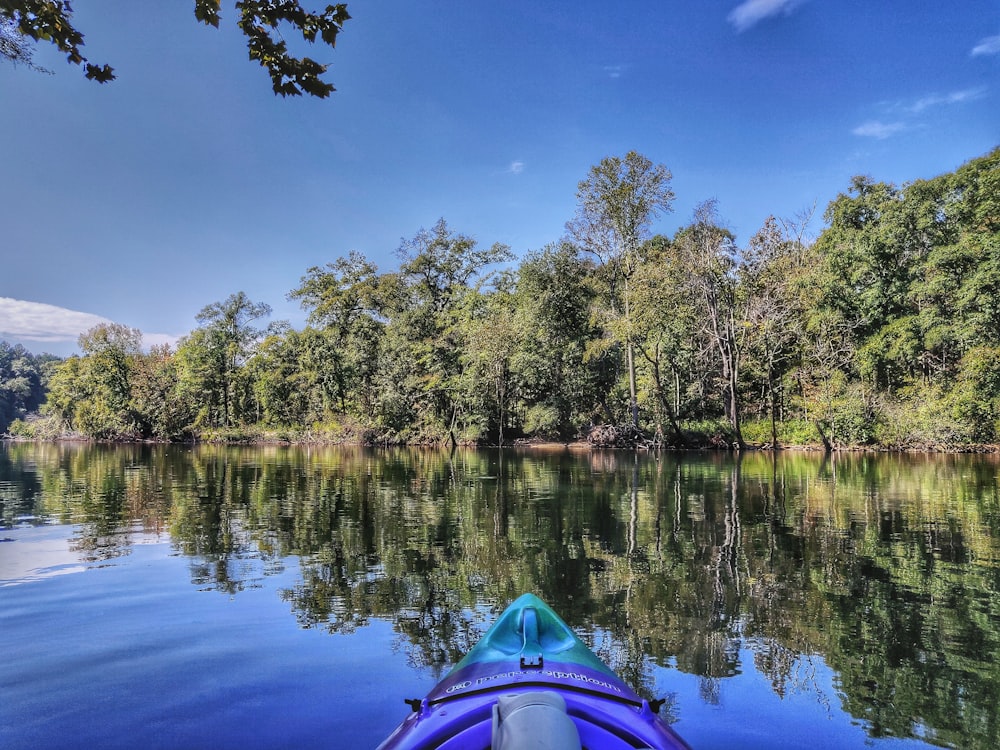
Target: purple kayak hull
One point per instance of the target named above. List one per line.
(531, 649)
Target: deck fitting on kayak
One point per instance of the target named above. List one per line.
(532, 661)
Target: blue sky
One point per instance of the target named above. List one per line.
(186, 180)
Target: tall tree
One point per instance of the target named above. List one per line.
(560, 385)
(771, 269)
(616, 206)
(490, 328)
(423, 302)
(665, 329)
(344, 299)
(93, 393)
(713, 260)
(160, 410)
(283, 393)
(259, 20)
(215, 353)
(872, 250)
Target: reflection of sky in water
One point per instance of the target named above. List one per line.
(33, 553)
(133, 655)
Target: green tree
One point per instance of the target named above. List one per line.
(560, 385)
(976, 394)
(974, 206)
(712, 258)
(616, 205)
(490, 328)
(161, 411)
(23, 378)
(421, 364)
(199, 382)
(872, 249)
(212, 357)
(93, 393)
(866, 244)
(665, 329)
(259, 20)
(905, 285)
(281, 393)
(292, 381)
(344, 300)
(771, 272)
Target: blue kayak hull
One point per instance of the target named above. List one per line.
(528, 649)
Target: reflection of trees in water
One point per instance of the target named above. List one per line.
(887, 567)
(440, 632)
(20, 488)
(768, 558)
(112, 492)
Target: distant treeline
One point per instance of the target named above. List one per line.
(884, 330)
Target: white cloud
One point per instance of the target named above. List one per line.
(614, 71)
(955, 97)
(877, 129)
(49, 324)
(751, 12)
(988, 46)
(516, 167)
(36, 321)
(904, 114)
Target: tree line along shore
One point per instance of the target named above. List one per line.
(882, 331)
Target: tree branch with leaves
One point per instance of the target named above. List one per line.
(259, 20)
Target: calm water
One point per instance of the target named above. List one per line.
(292, 598)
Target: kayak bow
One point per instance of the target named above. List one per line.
(530, 678)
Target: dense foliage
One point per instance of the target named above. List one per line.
(884, 330)
(23, 378)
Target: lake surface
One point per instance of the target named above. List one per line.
(287, 597)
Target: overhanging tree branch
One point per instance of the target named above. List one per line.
(259, 20)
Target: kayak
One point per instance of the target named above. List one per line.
(531, 682)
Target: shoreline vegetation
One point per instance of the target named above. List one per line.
(701, 441)
(881, 333)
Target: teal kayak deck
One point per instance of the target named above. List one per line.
(530, 648)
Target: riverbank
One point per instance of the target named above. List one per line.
(710, 435)
(290, 438)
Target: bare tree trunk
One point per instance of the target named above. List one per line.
(661, 396)
(677, 392)
(633, 400)
(502, 398)
(725, 340)
(773, 408)
(451, 430)
(734, 406)
(630, 357)
(827, 445)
